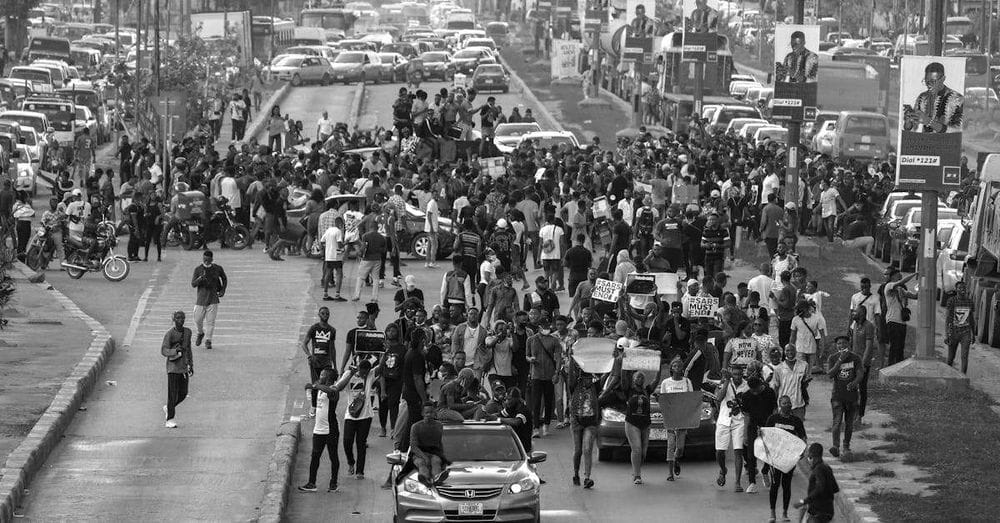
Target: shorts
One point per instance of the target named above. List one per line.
(334, 265)
(734, 436)
(551, 265)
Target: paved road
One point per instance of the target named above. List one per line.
(117, 461)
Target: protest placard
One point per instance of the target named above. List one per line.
(641, 359)
(594, 355)
(779, 448)
(369, 341)
(666, 283)
(702, 306)
(606, 290)
(565, 55)
(601, 208)
(681, 410)
(493, 166)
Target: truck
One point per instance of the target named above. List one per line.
(982, 272)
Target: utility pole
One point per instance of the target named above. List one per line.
(138, 58)
(794, 132)
(156, 44)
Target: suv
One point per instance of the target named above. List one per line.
(721, 117)
(491, 478)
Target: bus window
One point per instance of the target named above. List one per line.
(325, 19)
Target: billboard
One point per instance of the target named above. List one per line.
(930, 124)
(796, 72)
(701, 39)
(235, 25)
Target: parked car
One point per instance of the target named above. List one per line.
(491, 77)
(299, 69)
(358, 66)
(85, 119)
(407, 49)
(736, 124)
(437, 64)
(906, 237)
(394, 66)
(953, 245)
(506, 136)
(771, 133)
(491, 478)
(809, 129)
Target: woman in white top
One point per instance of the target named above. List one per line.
(676, 382)
(808, 332)
(358, 417)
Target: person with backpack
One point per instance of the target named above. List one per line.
(456, 288)
(645, 220)
(583, 420)
(542, 298)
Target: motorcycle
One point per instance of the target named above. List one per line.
(95, 254)
(41, 249)
(223, 226)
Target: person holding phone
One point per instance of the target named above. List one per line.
(846, 373)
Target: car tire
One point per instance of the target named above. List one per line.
(605, 454)
(419, 245)
(296, 80)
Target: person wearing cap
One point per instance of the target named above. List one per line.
(714, 240)
(77, 213)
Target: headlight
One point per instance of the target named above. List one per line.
(525, 485)
(415, 487)
(613, 416)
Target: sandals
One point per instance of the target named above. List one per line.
(670, 478)
(721, 481)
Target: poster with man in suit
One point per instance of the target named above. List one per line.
(796, 72)
(701, 38)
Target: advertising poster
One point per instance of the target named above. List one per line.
(796, 71)
(701, 25)
(565, 59)
(930, 123)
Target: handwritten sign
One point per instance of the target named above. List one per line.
(539, 174)
(641, 359)
(779, 448)
(681, 410)
(594, 355)
(702, 306)
(642, 187)
(565, 54)
(369, 341)
(601, 207)
(685, 194)
(606, 290)
(494, 167)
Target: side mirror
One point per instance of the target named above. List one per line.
(537, 456)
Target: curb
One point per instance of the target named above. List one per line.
(543, 116)
(25, 461)
(279, 473)
(354, 116)
(617, 101)
(265, 110)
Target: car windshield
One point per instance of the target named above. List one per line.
(865, 125)
(490, 70)
(60, 116)
(434, 57)
(481, 445)
(81, 113)
(729, 113)
(946, 213)
(290, 61)
(467, 53)
(516, 129)
(350, 58)
(29, 138)
(25, 121)
(901, 208)
(28, 74)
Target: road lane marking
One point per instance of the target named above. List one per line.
(140, 309)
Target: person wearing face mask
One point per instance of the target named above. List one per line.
(784, 420)
(845, 371)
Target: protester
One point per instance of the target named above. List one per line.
(784, 419)
(326, 431)
(176, 348)
(822, 487)
(211, 281)
(845, 371)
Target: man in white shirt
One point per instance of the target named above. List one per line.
(771, 184)
(77, 213)
(788, 378)
(762, 284)
(333, 266)
(236, 108)
(229, 190)
(550, 236)
(626, 206)
(431, 227)
(324, 128)
(829, 199)
(873, 306)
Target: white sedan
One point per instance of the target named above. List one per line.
(547, 139)
(508, 135)
(26, 170)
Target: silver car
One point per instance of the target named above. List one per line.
(299, 69)
(358, 66)
(491, 478)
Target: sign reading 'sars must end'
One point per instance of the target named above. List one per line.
(930, 123)
(796, 71)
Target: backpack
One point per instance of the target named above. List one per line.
(645, 221)
(454, 286)
(400, 111)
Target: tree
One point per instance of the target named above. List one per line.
(16, 14)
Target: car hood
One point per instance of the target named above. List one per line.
(346, 67)
(507, 140)
(462, 474)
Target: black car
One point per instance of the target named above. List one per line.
(491, 77)
(437, 64)
(466, 60)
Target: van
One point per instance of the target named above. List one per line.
(40, 75)
(60, 113)
(861, 134)
(722, 116)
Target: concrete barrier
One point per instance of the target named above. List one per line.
(542, 115)
(260, 121)
(357, 104)
(25, 461)
(279, 473)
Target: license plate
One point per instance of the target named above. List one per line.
(657, 434)
(470, 509)
(340, 77)
(488, 81)
(192, 228)
(865, 147)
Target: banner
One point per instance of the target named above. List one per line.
(565, 59)
(495, 166)
(594, 355)
(700, 36)
(779, 448)
(930, 124)
(224, 25)
(606, 290)
(796, 72)
(641, 359)
(369, 341)
(702, 306)
(681, 410)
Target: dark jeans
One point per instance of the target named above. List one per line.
(714, 264)
(390, 407)
(542, 391)
(784, 332)
(782, 480)
(843, 416)
(356, 436)
(863, 392)
(897, 340)
(238, 127)
(177, 390)
(23, 235)
(393, 258)
(772, 246)
(748, 456)
(415, 412)
(153, 235)
(329, 442)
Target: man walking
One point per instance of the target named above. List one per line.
(180, 366)
(321, 335)
(961, 325)
(822, 487)
(373, 248)
(332, 240)
(326, 432)
(545, 356)
(211, 282)
(845, 371)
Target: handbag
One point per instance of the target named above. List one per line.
(356, 406)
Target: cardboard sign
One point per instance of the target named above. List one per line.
(605, 290)
(779, 448)
(565, 54)
(681, 410)
(641, 359)
(666, 283)
(539, 174)
(369, 341)
(702, 306)
(594, 355)
(495, 167)
(601, 207)
(685, 194)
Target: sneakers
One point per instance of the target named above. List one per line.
(327, 297)
(170, 424)
(198, 340)
(339, 298)
(308, 487)
(333, 487)
(535, 433)
(395, 282)
(835, 452)
(165, 412)
(588, 483)
(637, 480)
(752, 488)
(350, 470)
